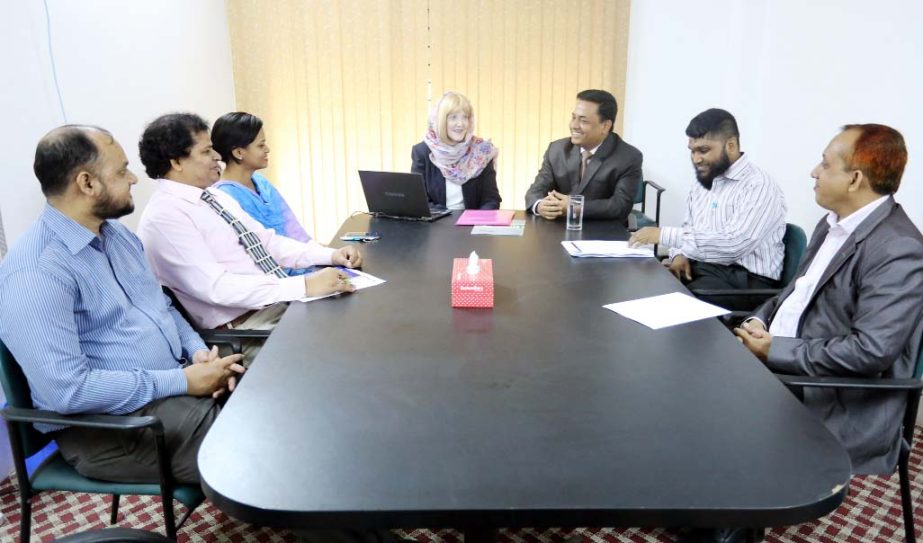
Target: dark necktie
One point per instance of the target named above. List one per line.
(584, 158)
(246, 238)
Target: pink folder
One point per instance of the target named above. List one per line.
(485, 217)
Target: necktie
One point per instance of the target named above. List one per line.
(584, 157)
(246, 238)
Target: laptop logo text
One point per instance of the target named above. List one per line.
(394, 194)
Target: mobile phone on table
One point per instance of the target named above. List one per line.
(360, 236)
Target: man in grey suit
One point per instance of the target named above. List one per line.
(593, 161)
(856, 307)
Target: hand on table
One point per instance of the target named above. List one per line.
(327, 281)
(552, 206)
(348, 257)
(649, 235)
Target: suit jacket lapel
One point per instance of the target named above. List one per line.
(849, 247)
(573, 170)
(595, 162)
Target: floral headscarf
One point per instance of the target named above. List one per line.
(461, 161)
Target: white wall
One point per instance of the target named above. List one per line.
(119, 64)
(791, 71)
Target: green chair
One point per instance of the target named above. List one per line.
(795, 242)
(637, 218)
(56, 474)
(911, 387)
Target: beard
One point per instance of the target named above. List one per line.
(107, 208)
(714, 170)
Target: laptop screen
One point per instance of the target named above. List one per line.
(395, 193)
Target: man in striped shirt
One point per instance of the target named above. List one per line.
(82, 313)
(731, 237)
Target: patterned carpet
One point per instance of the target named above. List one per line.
(870, 514)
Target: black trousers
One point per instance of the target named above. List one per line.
(130, 456)
(717, 276)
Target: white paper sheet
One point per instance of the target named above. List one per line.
(515, 228)
(606, 249)
(666, 310)
(358, 278)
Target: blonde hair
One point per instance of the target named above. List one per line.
(450, 103)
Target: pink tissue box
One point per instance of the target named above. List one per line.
(472, 291)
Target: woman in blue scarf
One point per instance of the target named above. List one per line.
(240, 140)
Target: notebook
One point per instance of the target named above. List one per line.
(485, 217)
(398, 196)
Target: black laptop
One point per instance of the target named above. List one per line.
(398, 196)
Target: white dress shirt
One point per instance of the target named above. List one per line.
(741, 220)
(196, 253)
(453, 196)
(785, 322)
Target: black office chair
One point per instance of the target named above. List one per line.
(795, 242)
(911, 387)
(638, 218)
(231, 337)
(56, 474)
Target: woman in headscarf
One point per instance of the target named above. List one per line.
(457, 166)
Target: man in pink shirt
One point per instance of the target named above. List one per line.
(224, 266)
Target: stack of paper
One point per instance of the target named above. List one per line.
(666, 310)
(515, 228)
(606, 249)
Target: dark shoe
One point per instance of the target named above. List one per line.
(720, 535)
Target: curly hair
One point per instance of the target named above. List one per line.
(167, 138)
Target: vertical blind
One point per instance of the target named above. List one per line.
(347, 85)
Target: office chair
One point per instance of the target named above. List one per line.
(795, 242)
(56, 474)
(911, 387)
(638, 218)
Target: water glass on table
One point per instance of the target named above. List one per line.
(575, 212)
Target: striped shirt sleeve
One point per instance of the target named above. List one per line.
(62, 378)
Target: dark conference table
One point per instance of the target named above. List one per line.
(388, 408)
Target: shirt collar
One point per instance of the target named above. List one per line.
(735, 170)
(850, 223)
(74, 235)
(181, 190)
(594, 149)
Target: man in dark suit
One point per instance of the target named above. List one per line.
(594, 162)
(855, 307)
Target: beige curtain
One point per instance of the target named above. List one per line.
(347, 85)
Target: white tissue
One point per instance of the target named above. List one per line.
(473, 266)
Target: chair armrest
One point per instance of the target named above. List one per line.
(657, 187)
(109, 422)
(736, 292)
(866, 383)
(220, 334)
